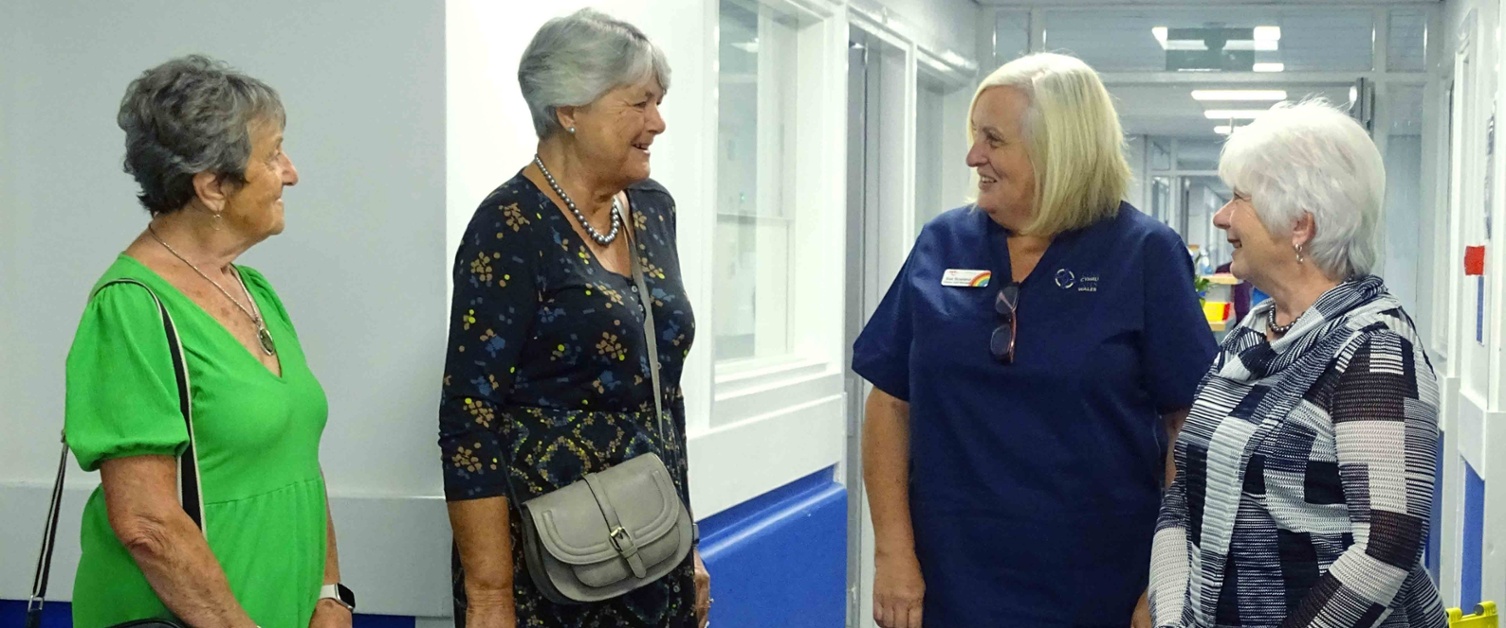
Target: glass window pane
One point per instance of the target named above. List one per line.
(752, 295)
(1011, 37)
(1203, 196)
(929, 160)
(1160, 200)
(1160, 155)
(1407, 51)
(755, 108)
(1227, 39)
(1403, 227)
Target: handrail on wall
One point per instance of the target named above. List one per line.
(1484, 617)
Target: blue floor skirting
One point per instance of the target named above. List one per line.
(781, 558)
(1474, 537)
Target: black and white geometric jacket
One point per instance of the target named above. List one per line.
(1305, 476)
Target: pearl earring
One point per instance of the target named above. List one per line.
(572, 130)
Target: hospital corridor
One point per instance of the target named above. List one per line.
(752, 313)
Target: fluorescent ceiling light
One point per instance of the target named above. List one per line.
(1233, 114)
(1186, 44)
(1268, 33)
(1159, 32)
(750, 47)
(1223, 129)
(1246, 45)
(1269, 67)
(1271, 95)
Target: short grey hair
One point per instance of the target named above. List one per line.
(1312, 157)
(189, 115)
(575, 59)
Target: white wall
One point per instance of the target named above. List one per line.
(361, 267)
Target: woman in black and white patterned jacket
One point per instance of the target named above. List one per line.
(1305, 470)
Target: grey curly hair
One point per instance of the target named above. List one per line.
(189, 115)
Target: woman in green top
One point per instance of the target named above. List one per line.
(205, 144)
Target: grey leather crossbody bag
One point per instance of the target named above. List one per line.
(615, 530)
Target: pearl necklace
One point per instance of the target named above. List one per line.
(1270, 322)
(604, 240)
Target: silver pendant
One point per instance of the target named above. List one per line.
(265, 338)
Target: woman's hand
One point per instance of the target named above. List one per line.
(1141, 617)
(898, 591)
(330, 614)
(702, 592)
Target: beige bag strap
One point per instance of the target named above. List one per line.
(650, 336)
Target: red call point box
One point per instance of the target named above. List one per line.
(1474, 261)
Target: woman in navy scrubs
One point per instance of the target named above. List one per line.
(1030, 363)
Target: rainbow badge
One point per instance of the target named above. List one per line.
(964, 278)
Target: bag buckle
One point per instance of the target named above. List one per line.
(620, 539)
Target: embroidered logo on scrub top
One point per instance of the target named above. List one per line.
(1065, 279)
(1068, 280)
(963, 278)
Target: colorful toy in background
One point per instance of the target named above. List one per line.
(1484, 617)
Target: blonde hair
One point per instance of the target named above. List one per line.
(1074, 139)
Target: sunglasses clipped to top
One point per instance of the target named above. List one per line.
(1006, 306)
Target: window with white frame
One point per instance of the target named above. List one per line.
(755, 213)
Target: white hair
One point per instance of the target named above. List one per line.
(575, 59)
(1312, 157)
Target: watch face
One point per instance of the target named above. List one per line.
(347, 596)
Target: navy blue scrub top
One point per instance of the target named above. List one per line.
(1034, 486)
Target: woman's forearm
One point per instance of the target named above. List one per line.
(480, 527)
(331, 550)
(169, 549)
(886, 475)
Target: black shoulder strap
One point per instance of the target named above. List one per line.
(188, 467)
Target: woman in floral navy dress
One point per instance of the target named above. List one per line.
(547, 377)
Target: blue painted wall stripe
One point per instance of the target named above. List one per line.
(781, 559)
(1474, 537)
(58, 615)
(1435, 524)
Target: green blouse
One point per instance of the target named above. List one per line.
(258, 446)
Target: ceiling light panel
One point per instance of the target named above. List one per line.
(1233, 114)
(1248, 95)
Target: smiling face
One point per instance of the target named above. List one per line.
(615, 131)
(1001, 157)
(1258, 254)
(255, 207)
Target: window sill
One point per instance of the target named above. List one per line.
(738, 377)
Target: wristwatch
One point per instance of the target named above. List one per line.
(339, 593)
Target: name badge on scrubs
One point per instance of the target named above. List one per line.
(964, 278)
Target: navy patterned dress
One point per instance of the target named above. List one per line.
(547, 377)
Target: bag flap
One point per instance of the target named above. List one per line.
(570, 524)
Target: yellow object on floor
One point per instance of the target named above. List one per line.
(1484, 617)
